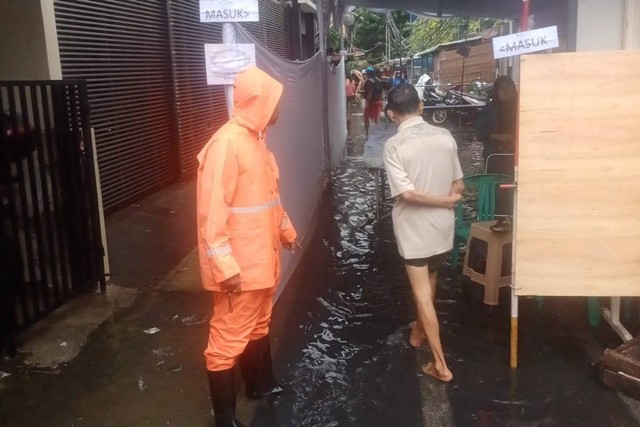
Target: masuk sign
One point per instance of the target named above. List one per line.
(229, 11)
(525, 42)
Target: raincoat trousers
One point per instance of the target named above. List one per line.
(241, 222)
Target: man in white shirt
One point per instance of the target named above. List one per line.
(424, 174)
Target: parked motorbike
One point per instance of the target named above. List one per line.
(451, 98)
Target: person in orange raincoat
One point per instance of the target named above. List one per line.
(241, 228)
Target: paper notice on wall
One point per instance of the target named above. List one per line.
(225, 61)
(525, 42)
(229, 11)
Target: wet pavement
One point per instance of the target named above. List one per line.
(339, 332)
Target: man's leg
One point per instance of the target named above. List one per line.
(255, 362)
(418, 336)
(234, 318)
(420, 279)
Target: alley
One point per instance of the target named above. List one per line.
(340, 337)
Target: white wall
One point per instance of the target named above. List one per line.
(610, 25)
(28, 41)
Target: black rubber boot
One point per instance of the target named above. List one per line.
(255, 363)
(223, 398)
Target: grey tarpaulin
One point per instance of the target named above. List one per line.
(297, 139)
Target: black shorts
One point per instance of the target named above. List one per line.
(434, 262)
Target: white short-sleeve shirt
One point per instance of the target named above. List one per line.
(424, 158)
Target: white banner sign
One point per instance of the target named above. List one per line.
(229, 11)
(525, 42)
(225, 61)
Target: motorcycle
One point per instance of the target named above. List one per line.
(465, 109)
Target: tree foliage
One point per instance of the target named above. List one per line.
(430, 32)
(407, 38)
(368, 34)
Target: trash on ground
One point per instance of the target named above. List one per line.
(4, 374)
(63, 344)
(151, 331)
(162, 352)
(193, 320)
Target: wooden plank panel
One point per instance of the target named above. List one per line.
(577, 230)
(479, 64)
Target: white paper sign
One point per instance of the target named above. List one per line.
(226, 61)
(525, 42)
(229, 11)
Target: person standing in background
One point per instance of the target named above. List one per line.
(350, 91)
(373, 95)
(396, 80)
(496, 125)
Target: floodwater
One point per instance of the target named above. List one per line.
(354, 365)
(340, 345)
(346, 356)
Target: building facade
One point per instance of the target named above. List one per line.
(144, 64)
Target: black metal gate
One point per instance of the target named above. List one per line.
(51, 240)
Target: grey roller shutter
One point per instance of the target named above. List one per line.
(121, 48)
(273, 28)
(201, 109)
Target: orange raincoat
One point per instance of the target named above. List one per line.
(241, 222)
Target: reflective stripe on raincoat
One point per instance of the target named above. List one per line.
(241, 222)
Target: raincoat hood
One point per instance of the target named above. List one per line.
(255, 97)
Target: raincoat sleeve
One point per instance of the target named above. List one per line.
(287, 232)
(220, 177)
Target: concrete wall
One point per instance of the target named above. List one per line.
(610, 25)
(28, 40)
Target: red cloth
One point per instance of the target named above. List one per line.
(374, 109)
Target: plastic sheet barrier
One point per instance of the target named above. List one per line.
(297, 138)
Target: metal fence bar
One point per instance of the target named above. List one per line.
(47, 222)
(96, 232)
(23, 213)
(49, 214)
(57, 223)
(33, 221)
(10, 230)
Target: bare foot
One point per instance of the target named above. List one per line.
(417, 337)
(444, 376)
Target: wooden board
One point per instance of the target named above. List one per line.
(577, 229)
(479, 65)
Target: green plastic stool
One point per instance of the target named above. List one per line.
(480, 193)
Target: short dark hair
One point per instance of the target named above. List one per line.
(404, 99)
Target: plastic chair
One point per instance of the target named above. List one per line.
(500, 163)
(479, 198)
